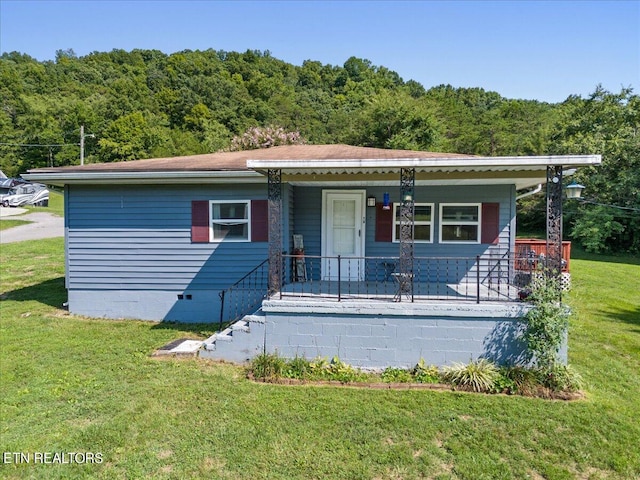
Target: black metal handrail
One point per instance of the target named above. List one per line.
(479, 278)
(245, 295)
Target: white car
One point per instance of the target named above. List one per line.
(26, 194)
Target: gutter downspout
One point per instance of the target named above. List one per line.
(532, 192)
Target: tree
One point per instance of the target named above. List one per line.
(396, 120)
(608, 124)
(264, 137)
(145, 103)
(132, 137)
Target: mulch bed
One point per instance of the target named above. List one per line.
(541, 392)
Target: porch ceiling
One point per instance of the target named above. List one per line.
(520, 180)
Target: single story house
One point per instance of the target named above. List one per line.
(380, 257)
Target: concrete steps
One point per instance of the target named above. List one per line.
(239, 342)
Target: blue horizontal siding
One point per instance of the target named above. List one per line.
(308, 219)
(139, 238)
(308, 222)
(307, 211)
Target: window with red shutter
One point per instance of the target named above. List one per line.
(460, 222)
(200, 213)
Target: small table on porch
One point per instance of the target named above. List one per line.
(405, 285)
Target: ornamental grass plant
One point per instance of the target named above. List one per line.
(477, 376)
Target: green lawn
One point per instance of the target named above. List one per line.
(7, 223)
(72, 384)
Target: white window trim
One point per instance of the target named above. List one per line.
(243, 220)
(421, 222)
(443, 222)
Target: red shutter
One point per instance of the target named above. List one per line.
(384, 223)
(259, 221)
(490, 223)
(199, 221)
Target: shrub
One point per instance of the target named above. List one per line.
(525, 381)
(560, 378)
(267, 366)
(547, 322)
(340, 371)
(479, 376)
(321, 369)
(503, 383)
(425, 373)
(298, 367)
(597, 229)
(399, 375)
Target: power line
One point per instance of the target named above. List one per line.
(609, 205)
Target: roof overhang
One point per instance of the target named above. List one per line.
(145, 178)
(395, 164)
(523, 172)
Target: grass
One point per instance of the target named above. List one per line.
(56, 204)
(7, 223)
(73, 384)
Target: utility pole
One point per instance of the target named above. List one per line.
(82, 137)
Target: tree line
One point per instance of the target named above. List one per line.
(146, 104)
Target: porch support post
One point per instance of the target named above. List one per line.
(274, 197)
(554, 221)
(407, 208)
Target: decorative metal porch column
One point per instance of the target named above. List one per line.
(407, 210)
(274, 197)
(554, 221)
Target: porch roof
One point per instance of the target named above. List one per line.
(340, 164)
(322, 164)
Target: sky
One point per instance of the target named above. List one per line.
(534, 50)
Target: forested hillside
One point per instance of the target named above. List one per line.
(145, 103)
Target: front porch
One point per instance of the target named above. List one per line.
(402, 259)
(365, 312)
(488, 279)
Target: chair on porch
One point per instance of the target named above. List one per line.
(299, 265)
(388, 267)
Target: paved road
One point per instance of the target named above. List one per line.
(43, 225)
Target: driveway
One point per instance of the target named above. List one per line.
(43, 225)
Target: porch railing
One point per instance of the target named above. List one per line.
(531, 252)
(499, 277)
(244, 296)
(496, 277)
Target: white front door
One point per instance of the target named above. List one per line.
(343, 234)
